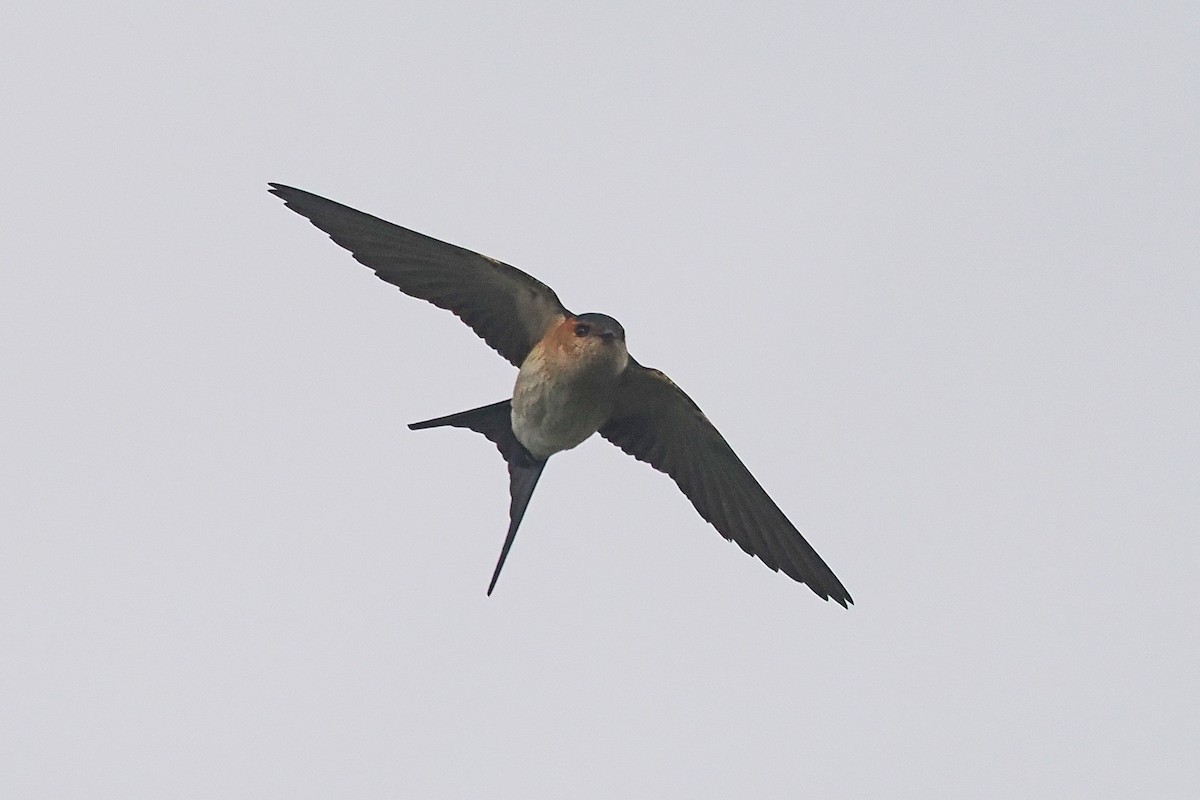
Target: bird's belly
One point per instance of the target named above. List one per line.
(551, 416)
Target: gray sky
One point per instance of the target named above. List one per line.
(933, 272)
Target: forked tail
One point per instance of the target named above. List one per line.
(495, 422)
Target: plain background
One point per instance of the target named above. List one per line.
(933, 271)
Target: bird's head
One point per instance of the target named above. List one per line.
(601, 327)
(596, 339)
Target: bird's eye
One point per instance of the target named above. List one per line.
(582, 329)
(608, 336)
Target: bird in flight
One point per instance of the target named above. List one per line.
(575, 378)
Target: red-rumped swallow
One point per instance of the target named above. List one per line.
(575, 378)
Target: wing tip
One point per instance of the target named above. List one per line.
(283, 191)
(845, 600)
(835, 591)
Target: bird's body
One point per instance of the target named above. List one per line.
(566, 388)
(575, 378)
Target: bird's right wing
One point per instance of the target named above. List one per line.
(509, 309)
(657, 423)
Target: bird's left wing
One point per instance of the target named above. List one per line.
(657, 423)
(509, 309)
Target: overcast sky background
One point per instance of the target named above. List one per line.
(934, 273)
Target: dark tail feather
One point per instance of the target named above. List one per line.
(521, 483)
(495, 422)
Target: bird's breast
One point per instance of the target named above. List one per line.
(558, 402)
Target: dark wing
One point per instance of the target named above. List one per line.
(657, 423)
(509, 309)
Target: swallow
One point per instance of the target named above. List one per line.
(575, 378)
